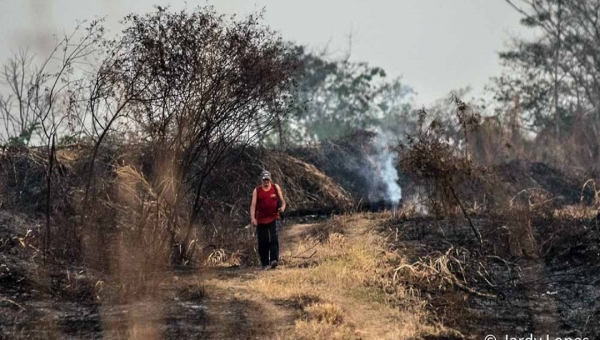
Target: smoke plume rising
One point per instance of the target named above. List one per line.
(385, 166)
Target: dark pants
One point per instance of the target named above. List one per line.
(268, 242)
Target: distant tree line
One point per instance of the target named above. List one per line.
(551, 83)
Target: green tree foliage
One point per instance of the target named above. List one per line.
(338, 97)
(555, 76)
(24, 137)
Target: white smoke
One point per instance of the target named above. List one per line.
(384, 167)
(415, 202)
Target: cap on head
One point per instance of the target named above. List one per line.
(265, 175)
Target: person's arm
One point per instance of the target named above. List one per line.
(280, 194)
(253, 209)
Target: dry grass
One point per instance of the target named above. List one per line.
(221, 258)
(576, 212)
(315, 330)
(328, 313)
(342, 286)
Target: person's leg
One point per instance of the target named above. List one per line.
(274, 238)
(262, 234)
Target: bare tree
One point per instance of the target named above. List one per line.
(15, 112)
(195, 85)
(52, 103)
(559, 71)
(556, 77)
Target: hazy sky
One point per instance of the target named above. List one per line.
(435, 45)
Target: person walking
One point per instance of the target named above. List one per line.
(267, 204)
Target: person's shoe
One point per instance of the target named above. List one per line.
(265, 267)
(274, 264)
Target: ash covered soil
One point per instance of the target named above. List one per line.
(556, 293)
(72, 303)
(537, 267)
(64, 303)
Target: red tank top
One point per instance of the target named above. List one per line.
(266, 205)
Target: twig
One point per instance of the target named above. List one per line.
(524, 191)
(305, 250)
(498, 258)
(477, 233)
(51, 158)
(13, 303)
(305, 257)
(473, 291)
(596, 192)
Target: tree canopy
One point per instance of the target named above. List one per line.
(336, 97)
(554, 77)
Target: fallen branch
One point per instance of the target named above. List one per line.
(13, 303)
(305, 257)
(473, 291)
(306, 250)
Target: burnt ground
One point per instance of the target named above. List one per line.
(180, 310)
(555, 292)
(72, 303)
(52, 301)
(45, 315)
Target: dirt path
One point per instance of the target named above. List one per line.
(235, 310)
(325, 288)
